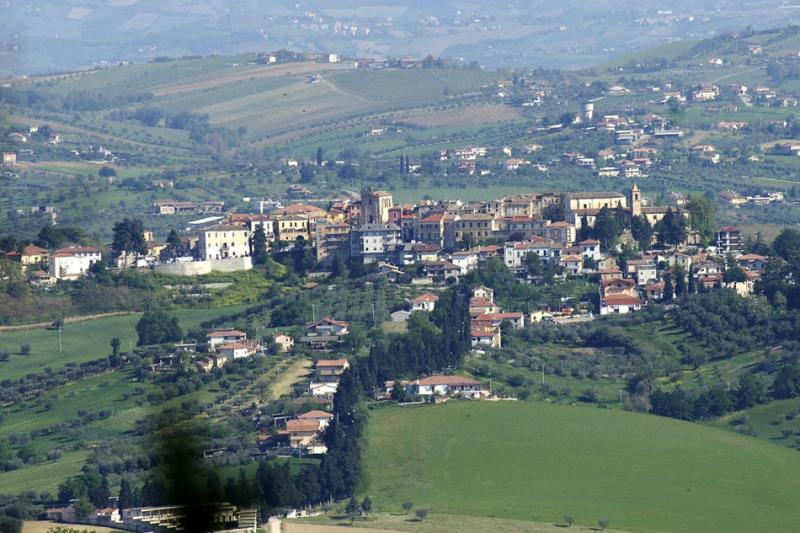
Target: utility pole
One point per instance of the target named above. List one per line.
(59, 337)
(542, 360)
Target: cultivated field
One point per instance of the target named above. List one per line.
(470, 116)
(542, 462)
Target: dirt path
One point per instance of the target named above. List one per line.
(42, 526)
(68, 320)
(283, 385)
(242, 74)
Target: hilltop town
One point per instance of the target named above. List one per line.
(322, 289)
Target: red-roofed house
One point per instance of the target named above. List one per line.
(483, 332)
(590, 248)
(480, 306)
(424, 302)
(619, 304)
(237, 349)
(430, 229)
(302, 432)
(445, 386)
(73, 262)
(219, 337)
(331, 369)
(321, 417)
(572, 264)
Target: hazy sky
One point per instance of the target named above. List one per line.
(53, 35)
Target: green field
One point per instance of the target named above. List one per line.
(84, 341)
(44, 477)
(541, 462)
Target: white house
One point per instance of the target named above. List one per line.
(320, 416)
(73, 262)
(325, 389)
(424, 302)
(327, 327)
(235, 350)
(572, 264)
(619, 304)
(445, 386)
(216, 338)
(590, 248)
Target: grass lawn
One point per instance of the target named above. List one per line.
(769, 422)
(43, 477)
(84, 341)
(541, 462)
(386, 522)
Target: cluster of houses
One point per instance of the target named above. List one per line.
(44, 266)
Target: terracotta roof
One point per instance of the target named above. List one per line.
(570, 259)
(328, 320)
(561, 224)
(315, 414)
(480, 302)
(248, 217)
(589, 241)
(482, 332)
(427, 297)
(433, 217)
(303, 425)
(225, 227)
(233, 346)
(590, 195)
(425, 247)
(331, 363)
(72, 250)
(296, 209)
(493, 317)
(618, 281)
(32, 249)
(751, 257)
(446, 380)
(227, 333)
(621, 299)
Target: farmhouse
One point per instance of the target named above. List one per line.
(173, 207)
(73, 262)
(237, 350)
(330, 369)
(216, 338)
(327, 326)
(620, 304)
(424, 302)
(320, 416)
(445, 386)
(284, 342)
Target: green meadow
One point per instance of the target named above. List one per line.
(541, 462)
(83, 341)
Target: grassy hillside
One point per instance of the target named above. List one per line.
(83, 341)
(542, 462)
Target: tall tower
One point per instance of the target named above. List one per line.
(375, 206)
(635, 201)
(588, 111)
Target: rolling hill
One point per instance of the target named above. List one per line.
(540, 462)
